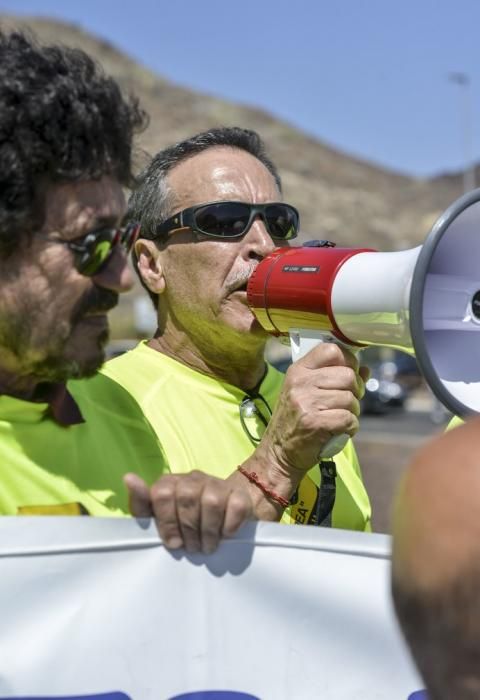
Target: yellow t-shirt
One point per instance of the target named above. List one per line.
(50, 469)
(455, 422)
(197, 420)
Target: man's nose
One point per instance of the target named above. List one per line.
(116, 274)
(257, 242)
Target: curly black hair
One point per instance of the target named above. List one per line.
(61, 119)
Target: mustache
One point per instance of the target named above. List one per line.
(96, 300)
(240, 278)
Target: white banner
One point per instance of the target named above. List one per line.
(97, 608)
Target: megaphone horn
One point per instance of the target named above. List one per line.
(424, 301)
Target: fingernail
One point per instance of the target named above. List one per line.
(173, 543)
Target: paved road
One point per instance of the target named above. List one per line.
(411, 426)
(385, 445)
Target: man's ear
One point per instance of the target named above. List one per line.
(149, 265)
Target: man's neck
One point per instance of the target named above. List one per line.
(240, 364)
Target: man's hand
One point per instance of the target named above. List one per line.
(192, 510)
(320, 399)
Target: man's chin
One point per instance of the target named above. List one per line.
(75, 362)
(89, 363)
(89, 367)
(64, 370)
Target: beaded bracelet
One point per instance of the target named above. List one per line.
(253, 478)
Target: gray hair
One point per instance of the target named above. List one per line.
(153, 200)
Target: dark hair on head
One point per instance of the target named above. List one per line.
(61, 119)
(442, 628)
(153, 201)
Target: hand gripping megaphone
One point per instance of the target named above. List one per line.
(424, 301)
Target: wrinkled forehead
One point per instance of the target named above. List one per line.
(221, 173)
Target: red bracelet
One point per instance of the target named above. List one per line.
(253, 478)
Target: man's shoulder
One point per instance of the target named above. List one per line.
(102, 399)
(131, 360)
(140, 368)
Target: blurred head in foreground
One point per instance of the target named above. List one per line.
(436, 563)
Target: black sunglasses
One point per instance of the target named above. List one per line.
(233, 219)
(91, 252)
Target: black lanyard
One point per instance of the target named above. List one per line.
(326, 494)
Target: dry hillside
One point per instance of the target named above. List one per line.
(346, 199)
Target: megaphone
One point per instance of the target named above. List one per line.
(424, 301)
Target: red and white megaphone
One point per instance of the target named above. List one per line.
(424, 301)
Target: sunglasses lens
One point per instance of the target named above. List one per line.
(231, 219)
(226, 219)
(254, 415)
(129, 235)
(98, 246)
(282, 221)
(96, 256)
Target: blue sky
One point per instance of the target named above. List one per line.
(370, 77)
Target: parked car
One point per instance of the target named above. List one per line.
(407, 371)
(394, 375)
(383, 391)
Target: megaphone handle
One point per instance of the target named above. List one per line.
(301, 342)
(334, 446)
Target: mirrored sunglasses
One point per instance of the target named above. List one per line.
(233, 219)
(92, 251)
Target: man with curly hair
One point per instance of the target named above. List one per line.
(65, 152)
(65, 140)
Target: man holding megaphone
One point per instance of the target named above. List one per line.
(211, 211)
(214, 255)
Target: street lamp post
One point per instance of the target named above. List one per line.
(463, 81)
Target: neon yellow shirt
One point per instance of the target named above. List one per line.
(197, 420)
(50, 469)
(455, 422)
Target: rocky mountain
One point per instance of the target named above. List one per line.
(346, 199)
